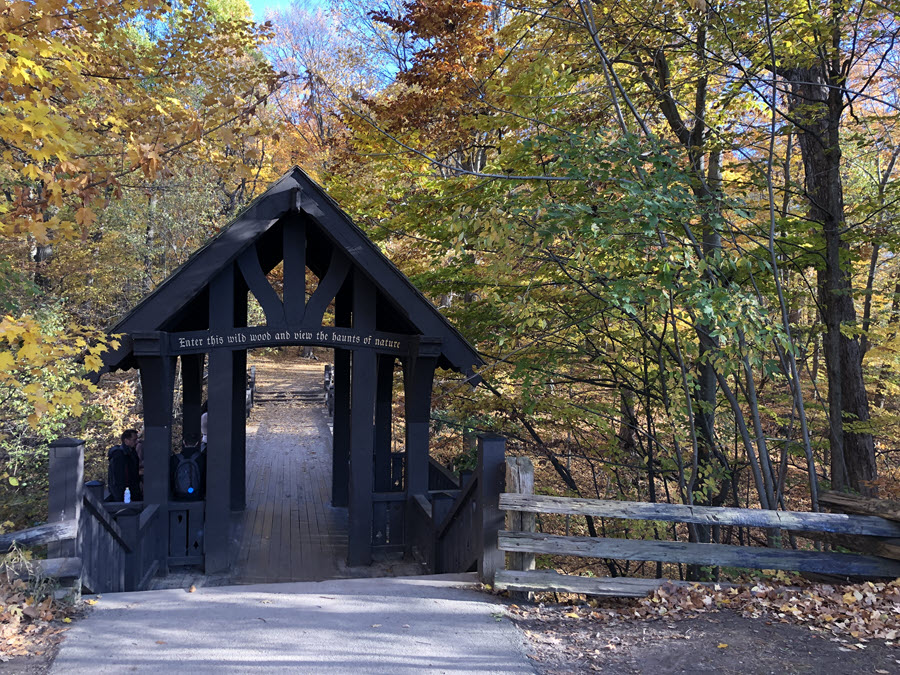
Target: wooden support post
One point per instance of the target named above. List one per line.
(489, 517)
(418, 379)
(192, 391)
(340, 467)
(294, 247)
(239, 430)
(239, 405)
(362, 428)
(383, 418)
(221, 410)
(158, 384)
(66, 494)
(520, 480)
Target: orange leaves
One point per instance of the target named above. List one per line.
(148, 157)
(84, 216)
(866, 610)
(87, 96)
(28, 623)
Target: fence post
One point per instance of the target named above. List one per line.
(66, 493)
(129, 525)
(520, 480)
(489, 517)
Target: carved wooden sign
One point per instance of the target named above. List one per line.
(195, 342)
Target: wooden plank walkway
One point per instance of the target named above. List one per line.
(289, 531)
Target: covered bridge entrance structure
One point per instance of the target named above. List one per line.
(199, 315)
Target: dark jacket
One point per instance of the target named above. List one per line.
(123, 472)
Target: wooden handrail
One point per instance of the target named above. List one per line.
(95, 506)
(148, 515)
(712, 515)
(42, 534)
(462, 499)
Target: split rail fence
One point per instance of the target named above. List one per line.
(521, 540)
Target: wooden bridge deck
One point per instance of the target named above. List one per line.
(289, 531)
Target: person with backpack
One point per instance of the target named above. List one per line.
(123, 470)
(188, 470)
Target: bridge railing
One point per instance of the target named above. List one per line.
(455, 530)
(92, 545)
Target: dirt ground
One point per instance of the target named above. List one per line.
(722, 642)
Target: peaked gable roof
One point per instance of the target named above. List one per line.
(295, 192)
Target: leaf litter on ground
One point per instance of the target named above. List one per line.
(851, 614)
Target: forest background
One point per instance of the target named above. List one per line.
(669, 226)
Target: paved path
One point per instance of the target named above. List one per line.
(399, 626)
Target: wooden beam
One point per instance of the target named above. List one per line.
(701, 554)
(262, 290)
(221, 409)
(294, 295)
(238, 430)
(158, 386)
(842, 501)
(520, 480)
(707, 515)
(66, 491)
(239, 403)
(340, 465)
(384, 410)
(362, 429)
(549, 580)
(418, 381)
(488, 516)
(329, 285)
(42, 534)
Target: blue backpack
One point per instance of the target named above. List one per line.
(187, 477)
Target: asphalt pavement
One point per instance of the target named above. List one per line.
(431, 624)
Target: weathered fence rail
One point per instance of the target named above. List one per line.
(521, 540)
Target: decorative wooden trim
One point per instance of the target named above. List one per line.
(241, 338)
(327, 289)
(262, 290)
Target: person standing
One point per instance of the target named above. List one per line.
(204, 425)
(124, 469)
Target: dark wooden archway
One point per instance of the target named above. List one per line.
(200, 313)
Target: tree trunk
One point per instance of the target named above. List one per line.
(817, 106)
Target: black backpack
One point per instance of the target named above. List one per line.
(186, 484)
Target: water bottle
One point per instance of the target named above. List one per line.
(127, 495)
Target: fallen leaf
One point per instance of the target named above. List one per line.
(722, 645)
